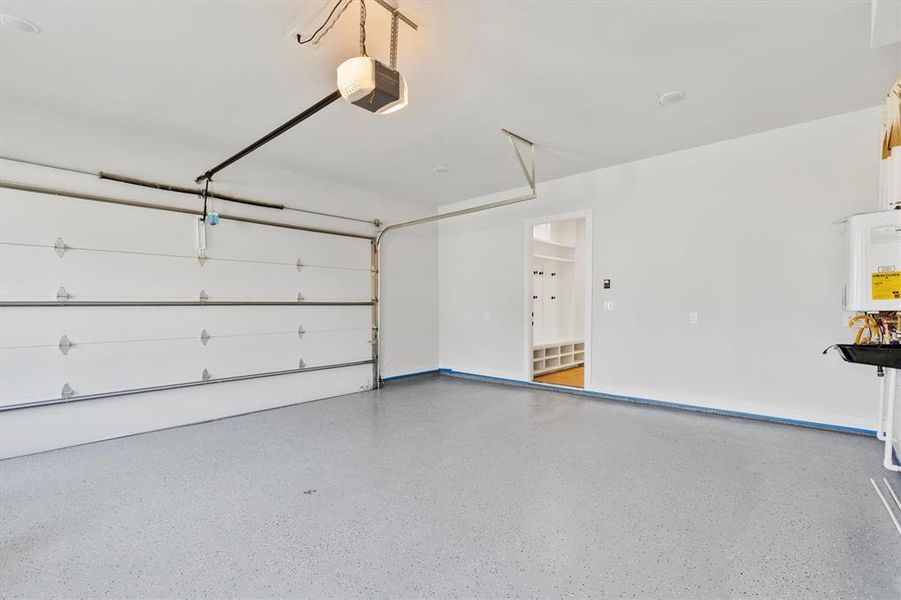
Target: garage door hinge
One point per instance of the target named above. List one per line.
(65, 344)
(204, 337)
(300, 296)
(205, 376)
(204, 296)
(299, 265)
(300, 332)
(301, 364)
(62, 295)
(67, 391)
(60, 247)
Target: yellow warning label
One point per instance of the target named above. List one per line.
(886, 286)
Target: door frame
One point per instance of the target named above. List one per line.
(588, 251)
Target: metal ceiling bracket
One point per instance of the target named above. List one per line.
(204, 296)
(300, 332)
(60, 247)
(62, 295)
(300, 297)
(396, 13)
(204, 337)
(205, 376)
(67, 391)
(301, 364)
(65, 344)
(299, 265)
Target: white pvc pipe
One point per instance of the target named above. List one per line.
(891, 376)
(887, 507)
(880, 431)
(891, 491)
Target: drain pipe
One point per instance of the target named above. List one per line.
(880, 432)
(376, 243)
(891, 383)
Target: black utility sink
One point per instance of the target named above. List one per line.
(876, 355)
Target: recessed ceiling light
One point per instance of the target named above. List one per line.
(20, 24)
(440, 170)
(671, 97)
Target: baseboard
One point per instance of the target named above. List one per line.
(661, 403)
(409, 375)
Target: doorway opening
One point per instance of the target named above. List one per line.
(558, 259)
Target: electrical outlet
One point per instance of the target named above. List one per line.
(692, 318)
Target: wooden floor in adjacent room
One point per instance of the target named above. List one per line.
(574, 377)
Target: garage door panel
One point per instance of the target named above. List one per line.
(30, 273)
(117, 253)
(28, 218)
(41, 219)
(22, 326)
(38, 373)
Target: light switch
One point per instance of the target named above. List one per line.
(693, 318)
(608, 305)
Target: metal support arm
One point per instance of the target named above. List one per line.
(270, 136)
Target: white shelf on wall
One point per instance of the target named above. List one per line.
(557, 258)
(558, 244)
(557, 356)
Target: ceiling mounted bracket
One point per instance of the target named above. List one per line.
(396, 13)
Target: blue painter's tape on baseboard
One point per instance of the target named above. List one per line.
(408, 375)
(676, 405)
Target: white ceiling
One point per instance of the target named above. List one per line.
(203, 79)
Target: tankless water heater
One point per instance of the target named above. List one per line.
(873, 279)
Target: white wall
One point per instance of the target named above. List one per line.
(121, 348)
(740, 231)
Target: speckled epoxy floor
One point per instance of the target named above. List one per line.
(442, 487)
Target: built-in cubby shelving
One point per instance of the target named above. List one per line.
(556, 356)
